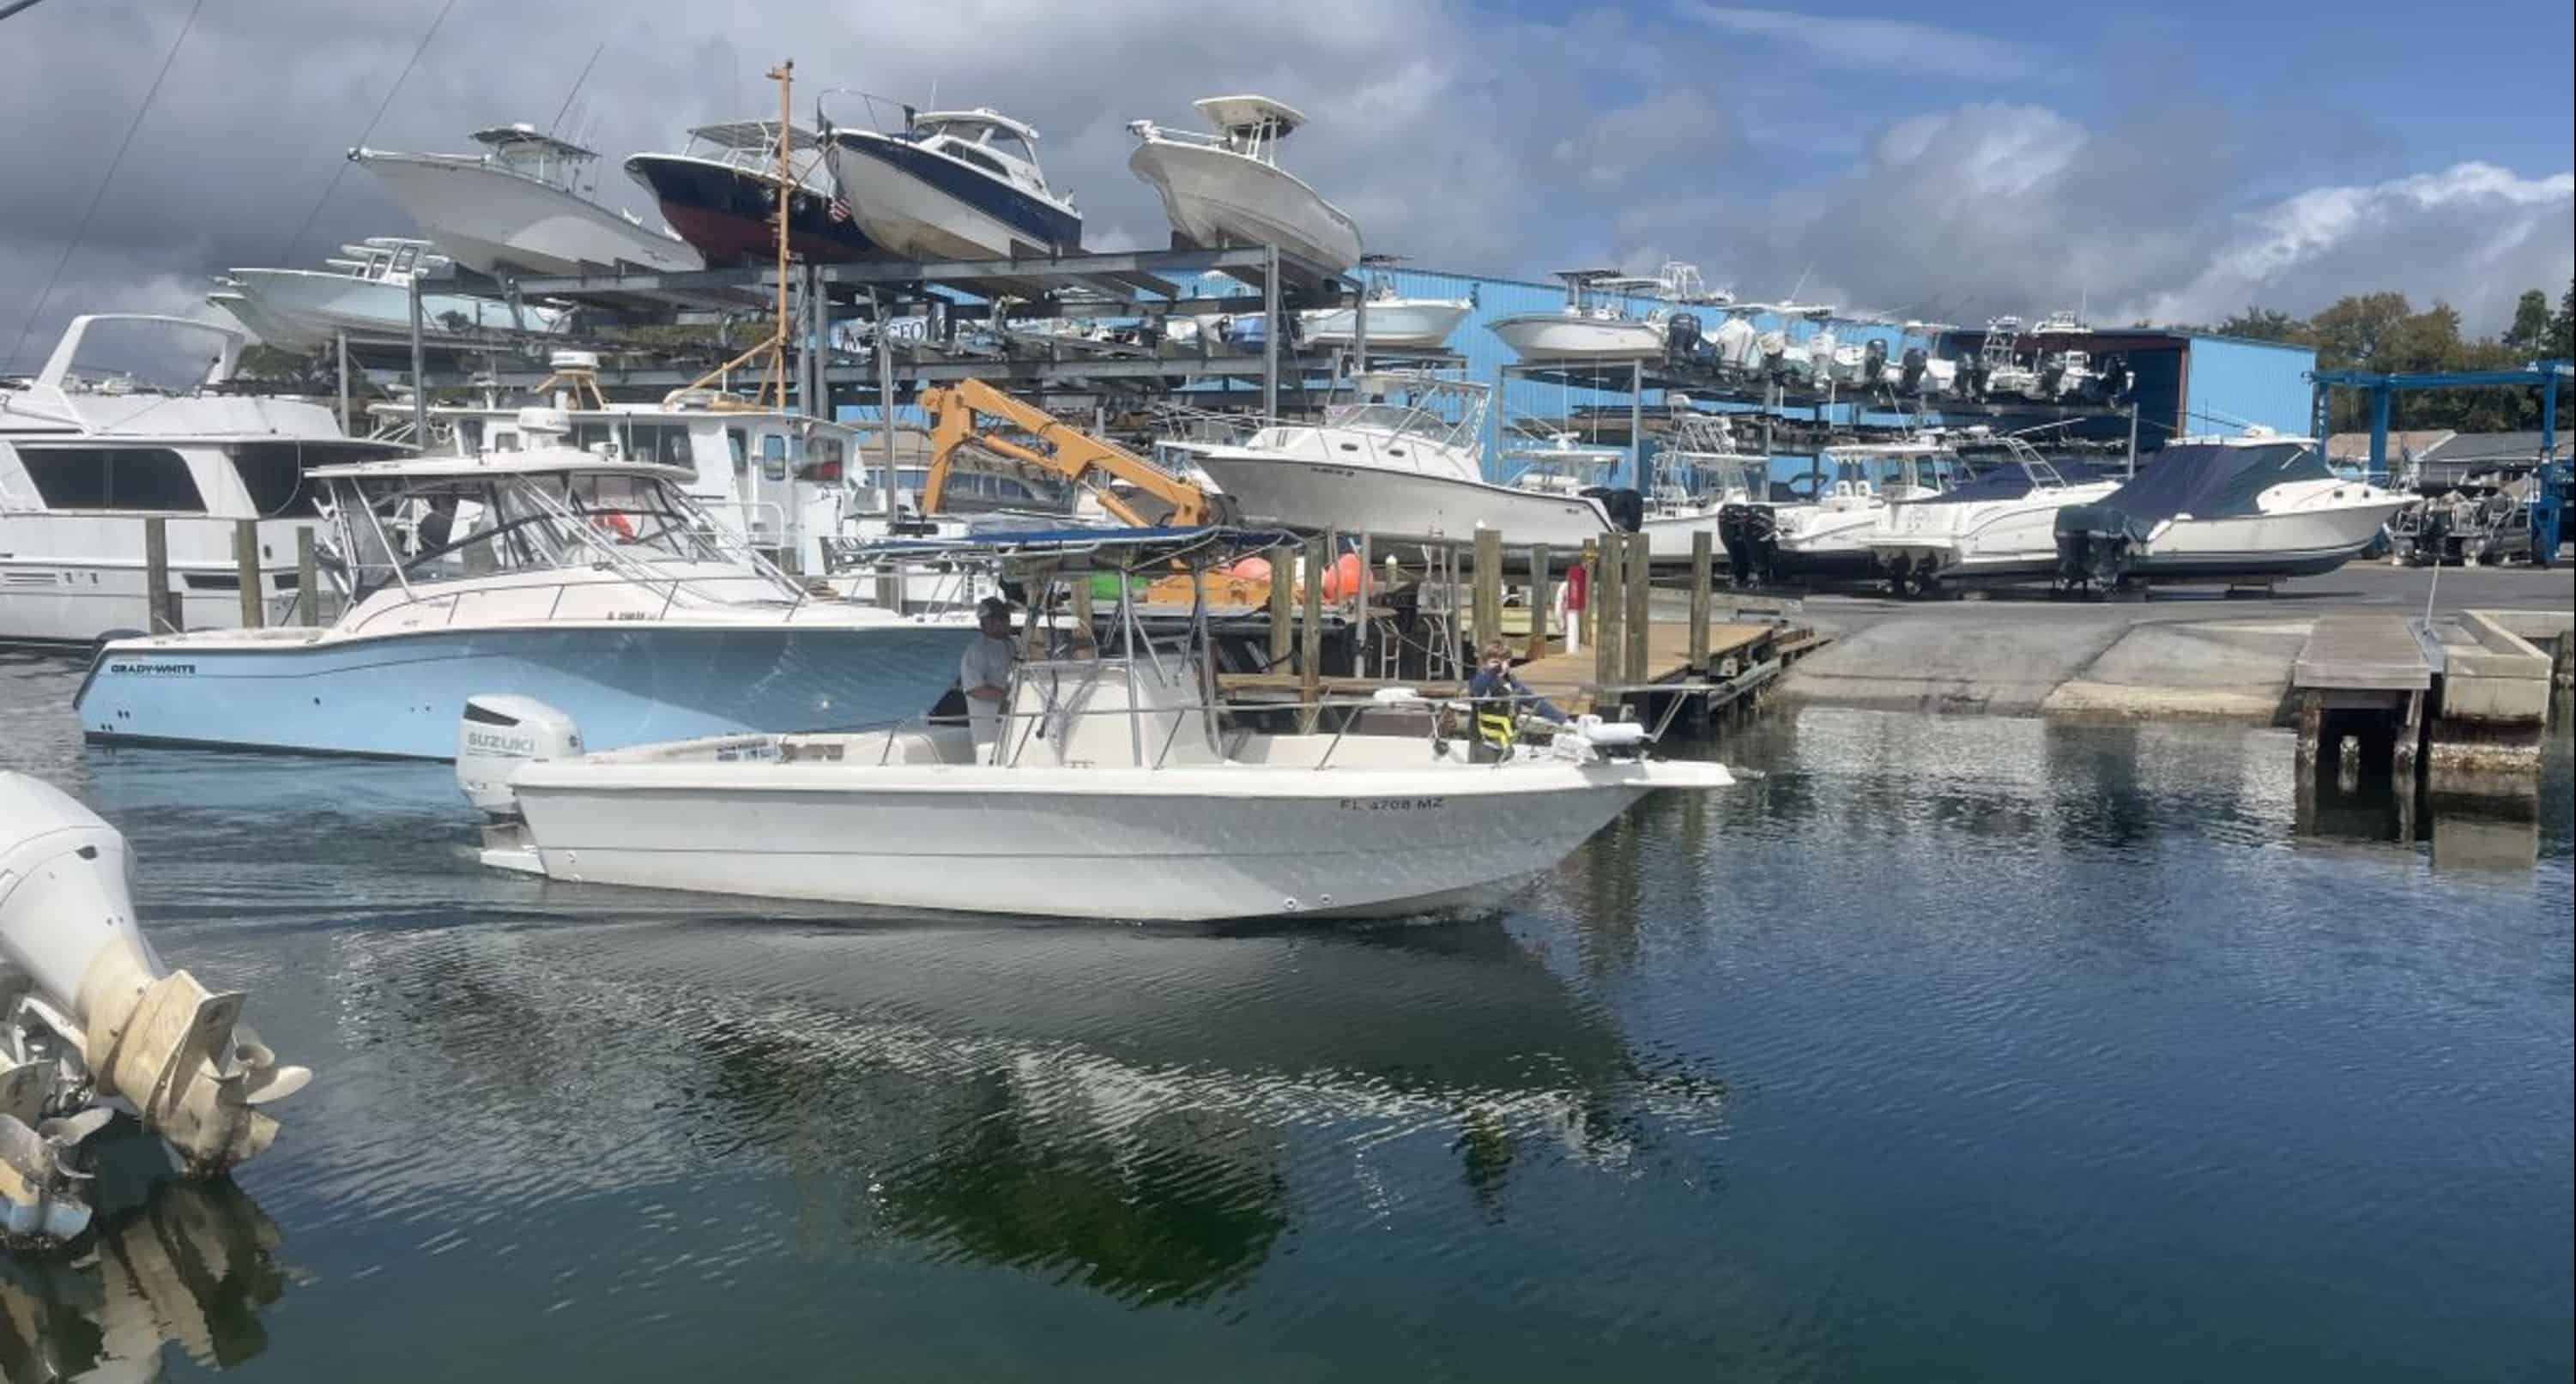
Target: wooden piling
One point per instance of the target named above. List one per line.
(1702, 597)
(308, 579)
(246, 568)
(1310, 652)
(1488, 590)
(1606, 607)
(1541, 596)
(1360, 601)
(161, 608)
(1083, 615)
(1283, 604)
(1635, 623)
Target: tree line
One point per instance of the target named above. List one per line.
(2383, 332)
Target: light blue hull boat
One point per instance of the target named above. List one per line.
(401, 696)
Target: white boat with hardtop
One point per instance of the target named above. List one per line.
(1226, 188)
(526, 204)
(2254, 507)
(1999, 526)
(1117, 788)
(591, 581)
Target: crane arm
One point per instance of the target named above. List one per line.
(1062, 450)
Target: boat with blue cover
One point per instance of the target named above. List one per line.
(586, 580)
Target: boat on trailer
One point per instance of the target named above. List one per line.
(1825, 534)
(2250, 508)
(2000, 526)
(591, 581)
(1117, 787)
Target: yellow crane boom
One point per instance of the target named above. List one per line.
(1064, 450)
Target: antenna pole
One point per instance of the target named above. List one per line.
(785, 75)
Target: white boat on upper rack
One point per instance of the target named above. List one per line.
(2255, 507)
(1394, 323)
(1997, 527)
(952, 185)
(1227, 188)
(366, 292)
(1825, 533)
(1592, 326)
(526, 203)
(1099, 763)
(1407, 463)
(88, 454)
(590, 581)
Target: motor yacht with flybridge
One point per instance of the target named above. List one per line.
(88, 453)
(1405, 462)
(952, 185)
(2253, 507)
(1226, 188)
(528, 202)
(591, 581)
(1115, 786)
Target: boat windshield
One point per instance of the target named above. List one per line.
(418, 529)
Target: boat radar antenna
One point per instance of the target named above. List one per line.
(773, 381)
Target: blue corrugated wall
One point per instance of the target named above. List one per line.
(2233, 383)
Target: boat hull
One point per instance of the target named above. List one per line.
(725, 212)
(1968, 543)
(303, 309)
(399, 696)
(1216, 199)
(1182, 844)
(922, 205)
(92, 584)
(1562, 336)
(493, 222)
(1319, 496)
(1423, 324)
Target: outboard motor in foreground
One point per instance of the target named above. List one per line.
(1626, 507)
(497, 734)
(89, 1014)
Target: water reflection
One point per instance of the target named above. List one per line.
(174, 1262)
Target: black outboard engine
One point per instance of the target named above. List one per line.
(1681, 335)
(1910, 376)
(1750, 534)
(1873, 363)
(2093, 546)
(1627, 508)
(2116, 379)
(1972, 378)
(2051, 376)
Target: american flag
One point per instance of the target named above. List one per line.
(840, 210)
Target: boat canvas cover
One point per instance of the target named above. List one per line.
(2206, 480)
(2006, 483)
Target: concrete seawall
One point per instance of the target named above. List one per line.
(2196, 657)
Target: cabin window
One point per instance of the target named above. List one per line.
(823, 460)
(469, 437)
(738, 445)
(773, 457)
(504, 440)
(273, 475)
(1002, 142)
(147, 478)
(970, 154)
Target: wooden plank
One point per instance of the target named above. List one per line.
(1638, 623)
(1605, 608)
(1283, 597)
(1540, 597)
(254, 611)
(2367, 650)
(1702, 595)
(1310, 653)
(308, 575)
(1488, 597)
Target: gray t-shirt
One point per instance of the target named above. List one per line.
(987, 663)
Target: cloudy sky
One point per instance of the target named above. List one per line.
(2172, 162)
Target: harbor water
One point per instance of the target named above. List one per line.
(1964, 1048)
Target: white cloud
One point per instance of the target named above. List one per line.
(1899, 46)
(2473, 235)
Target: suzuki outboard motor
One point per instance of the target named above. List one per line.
(89, 1012)
(496, 735)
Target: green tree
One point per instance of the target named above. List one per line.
(2562, 329)
(2264, 324)
(2531, 324)
(2348, 334)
